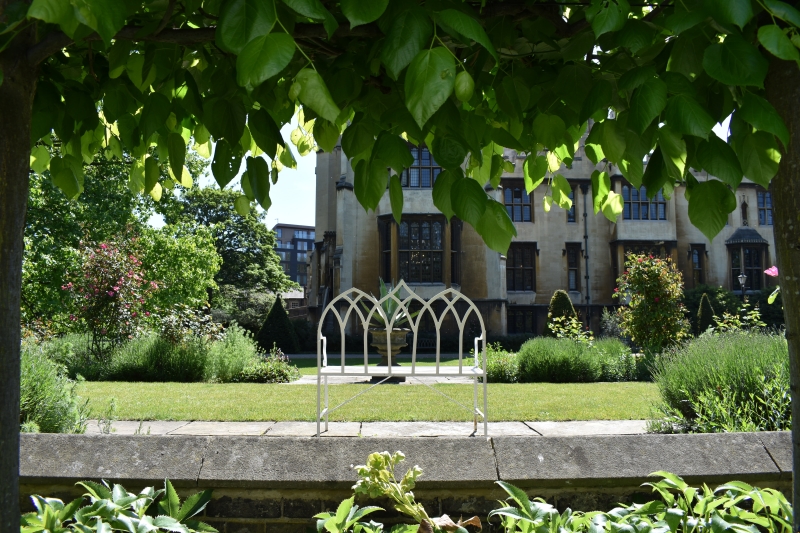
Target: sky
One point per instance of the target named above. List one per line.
(293, 197)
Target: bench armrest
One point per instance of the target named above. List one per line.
(477, 339)
(324, 351)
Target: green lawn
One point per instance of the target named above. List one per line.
(247, 402)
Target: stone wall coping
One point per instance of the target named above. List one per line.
(447, 463)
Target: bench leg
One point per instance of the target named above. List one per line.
(318, 402)
(475, 404)
(326, 403)
(485, 409)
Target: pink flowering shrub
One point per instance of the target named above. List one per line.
(654, 316)
(111, 294)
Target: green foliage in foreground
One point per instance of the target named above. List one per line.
(463, 80)
(729, 382)
(733, 507)
(48, 402)
(114, 508)
(250, 401)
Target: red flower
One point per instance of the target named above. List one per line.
(656, 298)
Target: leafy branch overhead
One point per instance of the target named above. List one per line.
(221, 77)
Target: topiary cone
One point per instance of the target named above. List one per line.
(278, 329)
(560, 305)
(705, 315)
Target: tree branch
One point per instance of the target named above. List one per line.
(56, 41)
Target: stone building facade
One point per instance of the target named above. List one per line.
(573, 250)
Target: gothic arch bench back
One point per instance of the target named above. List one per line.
(354, 310)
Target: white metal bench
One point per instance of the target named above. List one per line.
(355, 307)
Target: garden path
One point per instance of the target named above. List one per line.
(372, 429)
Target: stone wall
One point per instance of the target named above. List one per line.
(264, 484)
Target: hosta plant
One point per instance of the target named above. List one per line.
(114, 508)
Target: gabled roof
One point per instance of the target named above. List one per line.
(746, 235)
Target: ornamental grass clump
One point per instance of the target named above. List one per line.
(737, 380)
(544, 359)
(654, 315)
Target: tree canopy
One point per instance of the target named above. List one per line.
(145, 79)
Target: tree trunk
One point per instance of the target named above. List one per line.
(16, 102)
(783, 92)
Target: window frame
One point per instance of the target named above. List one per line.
(512, 311)
(638, 205)
(753, 272)
(406, 266)
(511, 269)
(577, 249)
(766, 216)
(510, 186)
(571, 215)
(697, 267)
(419, 153)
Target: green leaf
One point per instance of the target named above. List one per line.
(258, 180)
(783, 11)
(177, 153)
(151, 174)
(67, 174)
(635, 77)
(357, 139)
(647, 103)
(777, 43)
(360, 12)
(154, 115)
(106, 18)
(225, 118)
(136, 177)
(709, 205)
(226, 163)
(442, 191)
(599, 98)
(495, 227)
(409, 32)
(242, 205)
(609, 18)
(40, 159)
(534, 170)
(560, 191)
(573, 85)
(241, 21)
(312, 9)
(717, 158)
(265, 132)
(171, 500)
(263, 58)
(393, 151)
(396, 197)
(52, 11)
(314, 93)
(612, 140)
(612, 206)
(468, 200)
(326, 134)
(738, 12)
(155, 194)
(504, 138)
(469, 28)
(735, 62)
(759, 155)
(370, 182)
(655, 175)
(601, 186)
(429, 82)
(685, 115)
(449, 152)
(549, 130)
(760, 113)
(673, 148)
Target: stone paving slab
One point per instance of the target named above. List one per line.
(223, 428)
(589, 427)
(421, 429)
(309, 429)
(135, 427)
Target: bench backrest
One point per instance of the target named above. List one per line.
(354, 306)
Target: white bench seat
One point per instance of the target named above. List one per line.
(405, 370)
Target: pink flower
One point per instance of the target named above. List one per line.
(134, 314)
(154, 284)
(110, 293)
(73, 317)
(147, 313)
(616, 289)
(115, 288)
(103, 246)
(640, 259)
(656, 298)
(772, 271)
